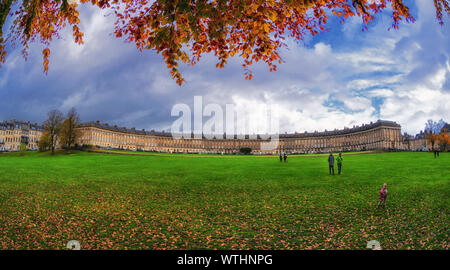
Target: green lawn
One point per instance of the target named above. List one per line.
(109, 201)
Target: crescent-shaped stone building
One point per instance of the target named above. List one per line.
(380, 135)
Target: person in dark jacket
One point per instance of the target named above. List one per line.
(281, 158)
(285, 157)
(331, 163)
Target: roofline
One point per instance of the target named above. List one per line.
(344, 131)
(24, 125)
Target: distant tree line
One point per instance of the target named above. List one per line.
(60, 130)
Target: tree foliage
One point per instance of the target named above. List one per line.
(44, 142)
(432, 139)
(68, 134)
(184, 30)
(444, 140)
(436, 133)
(53, 126)
(23, 148)
(433, 126)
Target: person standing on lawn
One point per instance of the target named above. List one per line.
(339, 162)
(383, 196)
(331, 163)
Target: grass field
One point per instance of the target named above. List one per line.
(109, 201)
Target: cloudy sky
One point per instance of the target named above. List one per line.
(338, 79)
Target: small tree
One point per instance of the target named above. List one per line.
(23, 148)
(432, 129)
(245, 150)
(432, 139)
(44, 142)
(68, 133)
(53, 126)
(444, 140)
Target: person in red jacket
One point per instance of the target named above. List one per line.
(383, 196)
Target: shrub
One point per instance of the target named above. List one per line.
(23, 148)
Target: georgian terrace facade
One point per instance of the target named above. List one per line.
(381, 135)
(13, 133)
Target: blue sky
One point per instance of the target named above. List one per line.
(339, 78)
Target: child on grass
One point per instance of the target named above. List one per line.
(383, 196)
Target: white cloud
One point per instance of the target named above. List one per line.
(380, 93)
